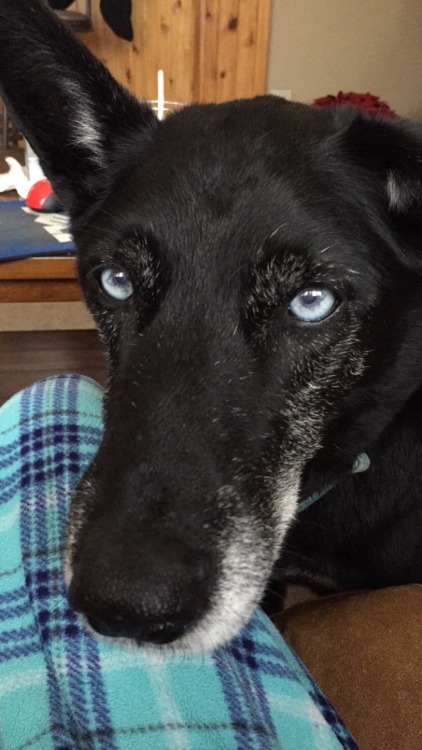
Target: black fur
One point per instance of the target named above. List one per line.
(223, 409)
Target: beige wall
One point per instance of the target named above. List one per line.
(320, 47)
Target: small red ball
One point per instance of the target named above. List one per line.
(38, 194)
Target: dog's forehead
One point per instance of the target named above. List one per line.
(242, 166)
(258, 123)
(232, 146)
(213, 183)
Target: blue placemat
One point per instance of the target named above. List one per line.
(25, 233)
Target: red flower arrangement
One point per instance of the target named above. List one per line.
(369, 103)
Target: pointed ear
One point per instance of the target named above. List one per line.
(394, 150)
(391, 152)
(76, 117)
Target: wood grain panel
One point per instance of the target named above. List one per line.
(228, 38)
(262, 44)
(233, 49)
(38, 268)
(210, 50)
(248, 49)
(206, 90)
(165, 36)
(40, 291)
(28, 357)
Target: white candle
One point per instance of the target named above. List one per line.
(160, 102)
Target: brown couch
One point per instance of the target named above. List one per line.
(364, 649)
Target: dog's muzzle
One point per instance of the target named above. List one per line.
(152, 590)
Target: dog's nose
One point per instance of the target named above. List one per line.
(151, 592)
(158, 632)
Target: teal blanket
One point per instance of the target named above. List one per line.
(63, 689)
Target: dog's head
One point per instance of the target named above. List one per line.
(252, 267)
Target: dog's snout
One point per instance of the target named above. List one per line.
(151, 592)
(158, 632)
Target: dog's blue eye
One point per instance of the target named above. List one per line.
(116, 284)
(313, 304)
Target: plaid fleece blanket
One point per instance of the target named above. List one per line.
(60, 687)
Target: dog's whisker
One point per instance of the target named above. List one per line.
(273, 234)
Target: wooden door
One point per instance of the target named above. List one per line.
(210, 50)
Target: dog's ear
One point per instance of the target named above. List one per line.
(392, 152)
(76, 117)
(393, 149)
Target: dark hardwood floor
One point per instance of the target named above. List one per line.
(30, 356)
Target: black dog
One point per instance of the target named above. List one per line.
(255, 271)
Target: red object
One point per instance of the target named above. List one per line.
(41, 197)
(369, 103)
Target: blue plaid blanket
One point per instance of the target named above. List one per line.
(60, 687)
